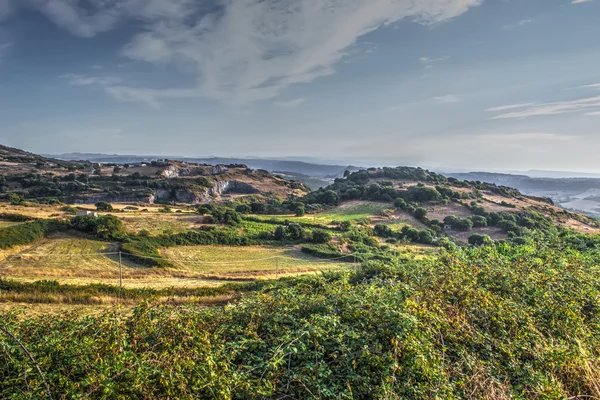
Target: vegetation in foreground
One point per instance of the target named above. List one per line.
(499, 321)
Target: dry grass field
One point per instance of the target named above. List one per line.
(250, 262)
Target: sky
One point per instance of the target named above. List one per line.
(466, 84)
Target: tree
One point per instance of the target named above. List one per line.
(280, 233)
(346, 173)
(383, 230)
(295, 232)
(421, 213)
(243, 209)
(300, 211)
(479, 221)
(400, 203)
(109, 226)
(479, 240)
(16, 200)
(104, 206)
(320, 236)
(329, 197)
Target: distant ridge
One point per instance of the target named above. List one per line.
(298, 167)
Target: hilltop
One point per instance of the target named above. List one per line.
(424, 199)
(50, 180)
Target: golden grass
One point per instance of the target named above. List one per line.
(248, 262)
(160, 223)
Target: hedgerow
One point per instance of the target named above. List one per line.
(29, 232)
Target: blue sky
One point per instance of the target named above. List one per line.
(475, 84)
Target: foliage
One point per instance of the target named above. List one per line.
(104, 206)
(320, 236)
(104, 227)
(490, 322)
(28, 232)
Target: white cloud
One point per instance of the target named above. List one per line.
(593, 114)
(543, 109)
(427, 60)
(510, 107)
(523, 22)
(291, 103)
(245, 50)
(446, 99)
(592, 86)
(83, 80)
(579, 1)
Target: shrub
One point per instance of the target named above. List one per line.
(105, 227)
(421, 213)
(479, 240)
(104, 206)
(16, 200)
(29, 232)
(320, 236)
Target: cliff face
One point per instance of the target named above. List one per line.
(205, 196)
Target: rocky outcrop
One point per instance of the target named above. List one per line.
(110, 199)
(170, 172)
(205, 196)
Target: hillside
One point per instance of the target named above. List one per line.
(422, 199)
(579, 194)
(166, 181)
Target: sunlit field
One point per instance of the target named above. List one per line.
(246, 262)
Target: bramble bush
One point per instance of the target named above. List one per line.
(497, 321)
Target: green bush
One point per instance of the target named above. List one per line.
(320, 236)
(104, 206)
(29, 232)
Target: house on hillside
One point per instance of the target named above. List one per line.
(448, 228)
(87, 212)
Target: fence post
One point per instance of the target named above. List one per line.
(120, 276)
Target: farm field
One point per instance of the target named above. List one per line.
(248, 262)
(348, 211)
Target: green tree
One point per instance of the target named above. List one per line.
(16, 200)
(421, 213)
(300, 210)
(295, 231)
(479, 240)
(320, 236)
(104, 206)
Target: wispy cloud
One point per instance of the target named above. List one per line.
(592, 86)
(291, 103)
(521, 23)
(245, 50)
(593, 114)
(579, 1)
(83, 80)
(510, 107)
(544, 109)
(447, 99)
(429, 62)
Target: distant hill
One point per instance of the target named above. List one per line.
(298, 167)
(47, 179)
(577, 194)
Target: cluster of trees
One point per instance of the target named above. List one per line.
(104, 227)
(347, 189)
(407, 234)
